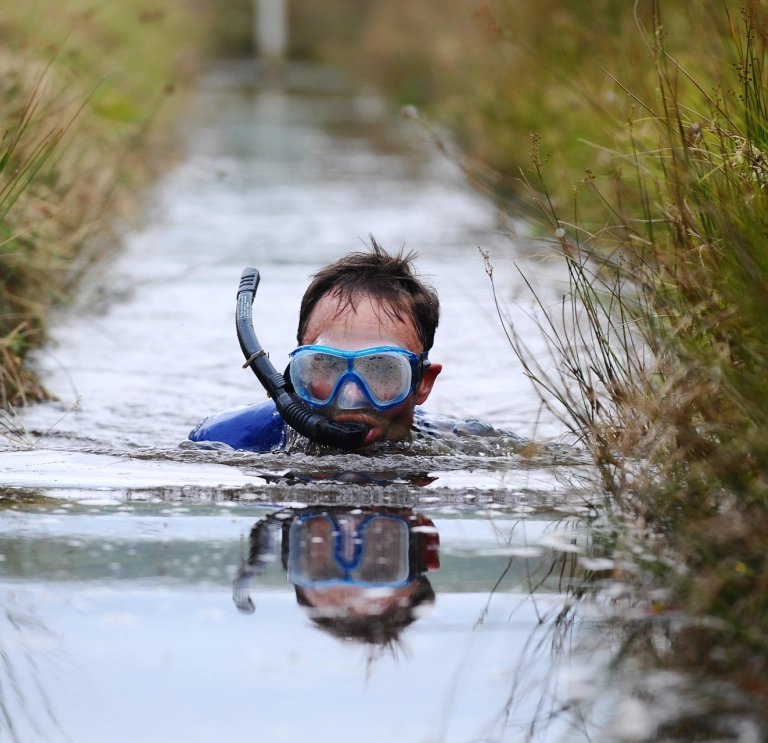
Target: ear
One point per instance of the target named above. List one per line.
(427, 381)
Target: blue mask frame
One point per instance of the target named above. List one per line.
(418, 363)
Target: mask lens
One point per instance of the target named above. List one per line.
(385, 552)
(314, 374)
(382, 376)
(313, 544)
(387, 375)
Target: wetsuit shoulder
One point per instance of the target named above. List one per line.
(436, 425)
(257, 427)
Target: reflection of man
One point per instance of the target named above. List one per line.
(359, 573)
(366, 325)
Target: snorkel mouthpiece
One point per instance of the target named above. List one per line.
(295, 412)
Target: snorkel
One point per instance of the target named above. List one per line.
(294, 411)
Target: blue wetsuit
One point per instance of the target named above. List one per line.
(259, 427)
(256, 427)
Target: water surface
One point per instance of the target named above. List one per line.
(119, 545)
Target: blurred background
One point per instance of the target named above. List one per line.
(93, 93)
(150, 150)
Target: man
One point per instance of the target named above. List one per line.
(366, 325)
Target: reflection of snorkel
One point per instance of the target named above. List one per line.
(297, 414)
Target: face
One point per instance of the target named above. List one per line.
(368, 326)
(336, 599)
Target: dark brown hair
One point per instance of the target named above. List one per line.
(373, 629)
(388, 279)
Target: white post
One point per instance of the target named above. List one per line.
(271, 29)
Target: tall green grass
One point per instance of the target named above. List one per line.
(492, 71)
(661, 347)
(647, 174)
(85, 119)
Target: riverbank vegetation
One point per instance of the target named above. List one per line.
(637, 134)
(665, 349)
(87, 94)
(662, 342)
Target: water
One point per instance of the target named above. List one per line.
(124, 554)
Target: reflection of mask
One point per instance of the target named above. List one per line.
(326, 549)
(343, 546)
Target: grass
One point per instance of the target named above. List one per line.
(661, 345)
(648, 176)
(85, 120)
(492, 71)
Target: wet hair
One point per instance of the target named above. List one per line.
(390, 280)
(382, 630)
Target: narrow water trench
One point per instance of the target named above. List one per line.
(156, 591)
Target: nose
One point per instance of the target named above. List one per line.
(351, 397)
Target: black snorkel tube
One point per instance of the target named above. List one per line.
(293, 410)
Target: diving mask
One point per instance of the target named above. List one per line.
(382, 377)
(327, 549)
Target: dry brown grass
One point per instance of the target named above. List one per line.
(661, 346)
(85, 117)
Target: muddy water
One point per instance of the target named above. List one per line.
(141, 603)
(285, 184)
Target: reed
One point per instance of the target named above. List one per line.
(492, 71)
(661, 344)
(648, 178)
(84, 121)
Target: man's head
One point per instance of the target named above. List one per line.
(367, 616)
(360, 573)
(370, 300)
(387, 280)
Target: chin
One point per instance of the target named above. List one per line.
(392, 425)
